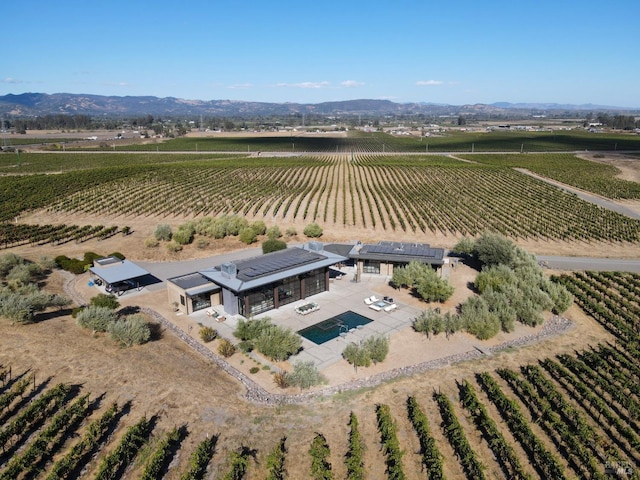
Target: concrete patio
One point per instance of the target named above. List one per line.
(343, 295)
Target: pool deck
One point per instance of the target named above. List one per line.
(343, 295)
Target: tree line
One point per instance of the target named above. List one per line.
(620, 122)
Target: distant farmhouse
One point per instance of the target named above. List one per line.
(257, 285)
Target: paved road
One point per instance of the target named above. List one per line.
(590, 263)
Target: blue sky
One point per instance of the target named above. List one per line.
(560, 51)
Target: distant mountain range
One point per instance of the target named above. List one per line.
(38, 104)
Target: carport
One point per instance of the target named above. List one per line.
(113, 271)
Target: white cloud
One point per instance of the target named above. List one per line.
(304, 85)
(351, 84)
(12, 80)
(429, 82)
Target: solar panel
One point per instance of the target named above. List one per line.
(395, 248)
(285, 260)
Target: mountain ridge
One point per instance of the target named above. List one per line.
(37, 104)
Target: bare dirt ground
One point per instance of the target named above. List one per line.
(166, 378)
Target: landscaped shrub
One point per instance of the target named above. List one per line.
(7, 262)
(21, 302)
(305, 375)
(493, 249)
(254, 370)
(131, 330)
(281, 379)
(163, 232)
(251, 329)
(278, 343)
(97, 319)
(356, 355)
(423, 280)
(273, 245)
(104, 300)
(226, 348)
(478, 320)
(290, 232)
(464, 247)
(151, 243)
(378, 347)
(245, 346)
(372, 349)
(258, 227)
(174, 247)
(202, 243)
(247, 235)
(313, 230)
(72, 265)
(560, 296)
(274, 232)
(208, 334)
(234, 224)
(184, 234)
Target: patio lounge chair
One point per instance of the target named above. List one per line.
(371, 299)
(390, 308)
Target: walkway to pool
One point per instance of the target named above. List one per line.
(343, 295)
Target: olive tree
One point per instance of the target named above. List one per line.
(493, 249)
(356, 355)
(163, 232)
(131, 330)
(95, 318)
(313, 230)
(305, 374)
(478, 319)
(278, 343)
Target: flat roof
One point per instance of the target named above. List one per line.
(271, 267)
(113, 272)
(398, 252)
(191, 280)
(339, 248)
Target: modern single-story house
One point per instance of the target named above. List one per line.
(118, 275)
(256, 285)
(382, 257)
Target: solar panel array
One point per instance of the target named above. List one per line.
(408, 249)
(260, 266)
(190, 280)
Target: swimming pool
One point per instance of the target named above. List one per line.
(331, 328)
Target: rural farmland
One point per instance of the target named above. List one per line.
(73, 404)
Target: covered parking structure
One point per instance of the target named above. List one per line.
(117, 275)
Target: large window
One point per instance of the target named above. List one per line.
(289, 291)
(371, 266)
(201, 301)
(260, 300)
(315, 282)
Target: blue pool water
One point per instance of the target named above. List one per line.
(332, 327)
